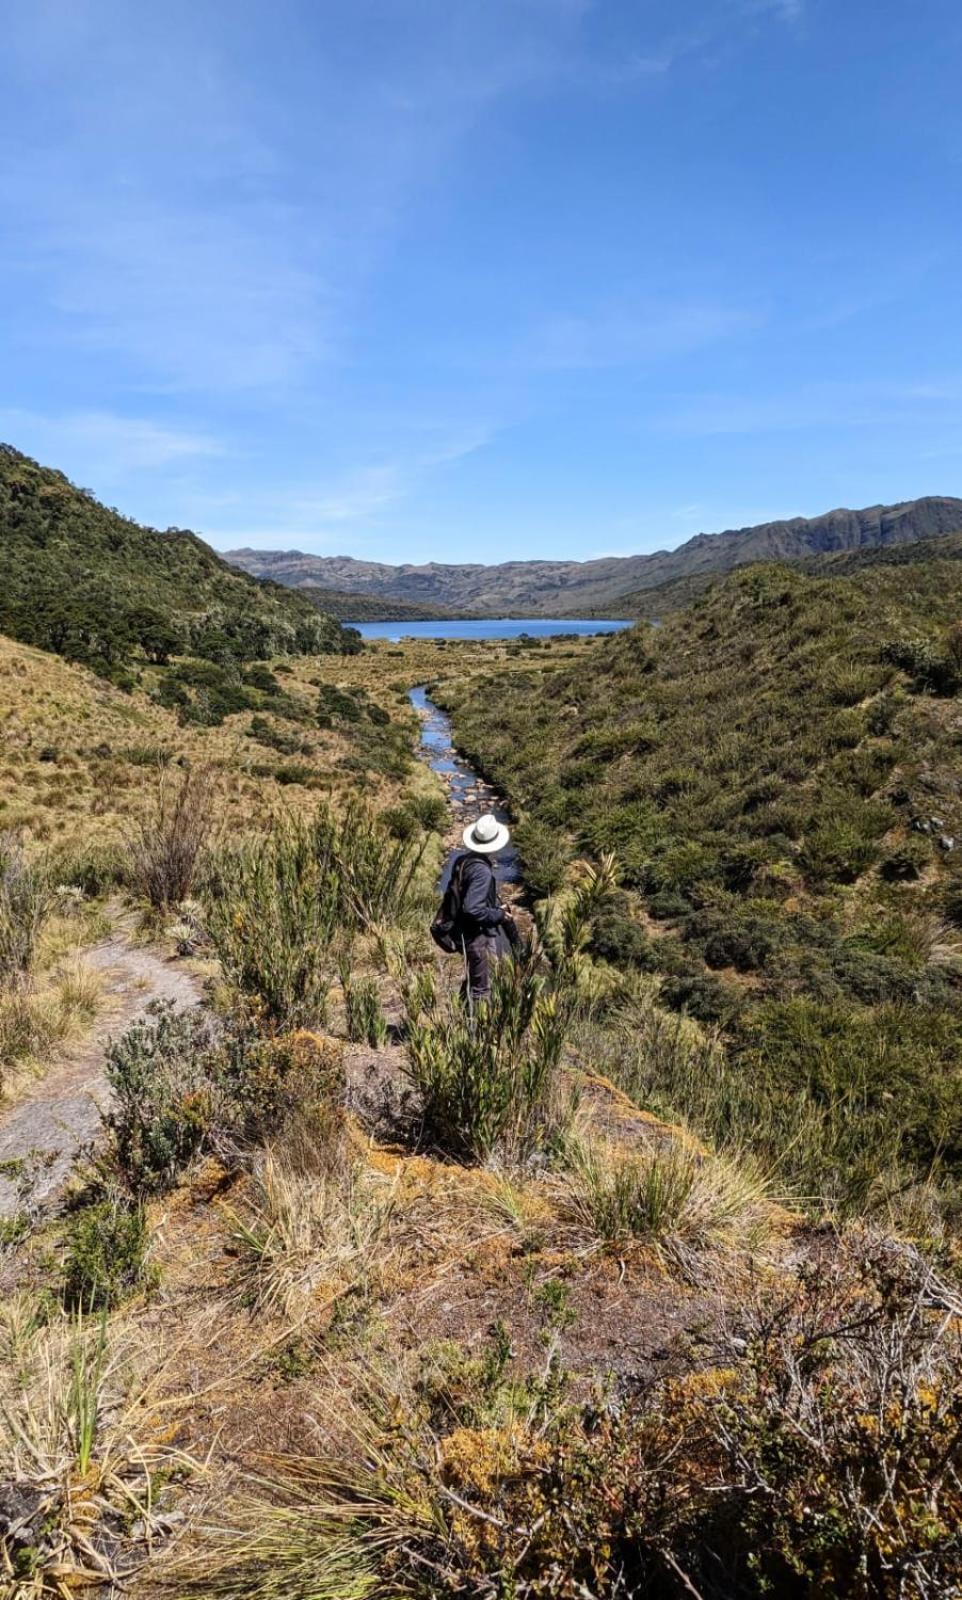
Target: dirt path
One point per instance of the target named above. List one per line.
(58, 1114)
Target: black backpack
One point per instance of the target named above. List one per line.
(444, 926)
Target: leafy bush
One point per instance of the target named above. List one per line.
(106, 1244)
(273, 914)
(268, 1086)
(164, 1096)
(702, 996)
(166, 849)
(907, 861)
(543, 857)
(841, 847)
(622, 941)
(26, 902)
(274, 738)
(938, 671)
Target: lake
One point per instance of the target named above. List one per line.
(486, 628)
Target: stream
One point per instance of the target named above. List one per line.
(469, 795)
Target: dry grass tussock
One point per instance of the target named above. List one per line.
(306, 1237)
(52, 993)
(82, 1500)
(667, 1194)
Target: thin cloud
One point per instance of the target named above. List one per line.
(836, 405)
(313, 517)
(103, 446)
(619, 338)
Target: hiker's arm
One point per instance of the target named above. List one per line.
(475, 904)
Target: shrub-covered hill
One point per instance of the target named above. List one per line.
(348, 607)
(678, 593)
(89, 584)
(779, 771)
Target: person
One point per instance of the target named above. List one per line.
(484, 927)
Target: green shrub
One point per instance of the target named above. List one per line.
(702, 996)
(106, 1244)
(622, 941)
(431, 811)
(275, 738)
(274, 918)
(259, 676)
(843, 844)
(544, 857)
(282, 909)
(907, 861)
(164, 1097)
(933, 670)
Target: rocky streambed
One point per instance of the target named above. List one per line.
(469, 795)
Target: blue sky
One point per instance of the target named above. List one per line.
(483, 279)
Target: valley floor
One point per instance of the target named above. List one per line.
(288, 1333)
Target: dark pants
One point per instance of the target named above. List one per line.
(481, 953)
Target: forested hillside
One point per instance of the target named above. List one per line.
(348, 607)
(91, 585)
(777, 771)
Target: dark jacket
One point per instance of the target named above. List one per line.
(480, 911)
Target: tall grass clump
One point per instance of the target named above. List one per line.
(486, 1078)
(86, 1485)
(166, 850)
(366, 1022)
(377, 873)
(274, 916)
(304, 1229)
(668, 1193)
(282, 910)
(26, 902)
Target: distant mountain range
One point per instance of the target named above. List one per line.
(571, 588)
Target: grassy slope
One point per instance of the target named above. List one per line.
(81, 757)
(762, 771)
(77, 578)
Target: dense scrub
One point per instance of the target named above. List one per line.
(91, 585)
(777, 771)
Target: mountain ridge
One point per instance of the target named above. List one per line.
(550, 587)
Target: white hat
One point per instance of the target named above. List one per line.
(486, 836)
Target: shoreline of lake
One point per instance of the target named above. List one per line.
(479, 628)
